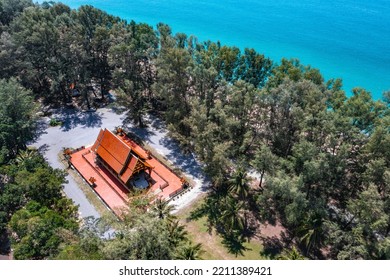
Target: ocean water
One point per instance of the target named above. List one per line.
(348, 39)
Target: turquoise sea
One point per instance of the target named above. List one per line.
(348, 39)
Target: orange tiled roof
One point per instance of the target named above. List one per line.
(106, 185)
(98, 140)
(130, 169)
(118, 155)
(165, 183)
(165, 178)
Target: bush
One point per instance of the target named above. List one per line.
(54, 122)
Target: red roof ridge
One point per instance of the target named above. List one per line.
(119, 155)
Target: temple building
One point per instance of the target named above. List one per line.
(116, 165)
(121, 160)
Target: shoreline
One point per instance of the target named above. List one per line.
(335, 57)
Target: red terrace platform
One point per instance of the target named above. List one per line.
(164, 183)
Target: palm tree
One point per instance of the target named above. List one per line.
(291, 254)
(211, 209)
(232, 217)
(25, 155)
(161, 209)
(238, 184)
(190, 252)
(177, 233)
(311, 232)
(139, 202)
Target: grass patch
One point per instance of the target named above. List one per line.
(54, 122)
(252, 252)
(212, 243)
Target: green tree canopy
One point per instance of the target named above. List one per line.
(36, 231)
(17, 118)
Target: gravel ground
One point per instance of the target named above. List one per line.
(81, 129)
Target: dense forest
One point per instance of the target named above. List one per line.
(322, 158)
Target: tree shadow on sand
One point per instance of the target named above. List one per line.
(234, 244)
(144, 133)
(71, 118)
(185, 161)
(40, 129)
(43, 149)
(273, 246)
